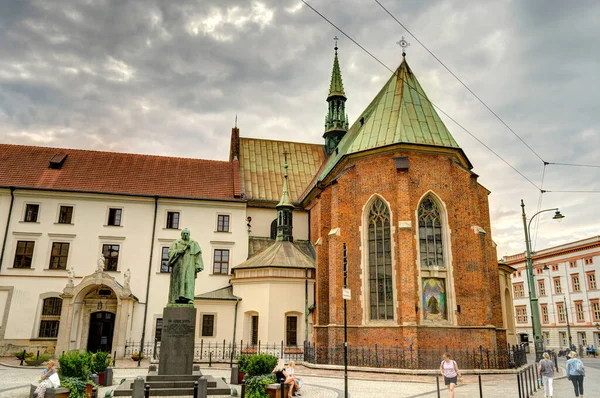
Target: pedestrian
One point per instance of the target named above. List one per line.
(546, 371)
(49, 378)
(291, 371)
(576, 373)
(449, 370)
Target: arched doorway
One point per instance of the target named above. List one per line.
(102, 326)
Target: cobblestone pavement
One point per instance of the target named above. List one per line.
(319, 383)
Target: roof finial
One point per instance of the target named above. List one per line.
(285, 165)
(336, 47)
(403, 43)
(236, 120)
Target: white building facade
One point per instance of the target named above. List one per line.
(565, 280)
(83, 258)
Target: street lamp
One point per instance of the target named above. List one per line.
(533, 301)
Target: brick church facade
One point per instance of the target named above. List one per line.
(400, 193)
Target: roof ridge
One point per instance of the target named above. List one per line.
(114, 153)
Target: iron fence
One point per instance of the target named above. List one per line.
(410, 358)
(359, 356)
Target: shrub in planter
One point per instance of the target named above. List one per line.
(261, 364)
(255, 385)
(75, 364)
(36, 360)
(100, 361)
(136, 356)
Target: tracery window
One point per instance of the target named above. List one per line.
(380, 263)
(430, 234)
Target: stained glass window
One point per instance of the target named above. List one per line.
(380, 262)
(430, 234)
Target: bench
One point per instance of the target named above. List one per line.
(59, 392)
(274, 390)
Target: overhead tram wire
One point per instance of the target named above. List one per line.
(475, 95)
(423, 96)
(574, 164)
(460, 81)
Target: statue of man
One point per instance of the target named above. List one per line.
(185, 258)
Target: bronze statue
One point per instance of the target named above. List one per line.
(185, 258)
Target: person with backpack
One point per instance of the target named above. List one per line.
(449, 370)
(576, 373)
(546, 371)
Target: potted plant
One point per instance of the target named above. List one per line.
(100, 361)
(36, 360)
(74, 373)
(242, 361)
(260, 374)
(137, 356)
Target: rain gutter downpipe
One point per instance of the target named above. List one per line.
(149, 274)
(12, 201)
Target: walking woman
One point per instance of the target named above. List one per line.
(576, 373)
(546, 370)
(449, 370)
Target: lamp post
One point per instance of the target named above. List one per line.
(533, 301)
(568, 324)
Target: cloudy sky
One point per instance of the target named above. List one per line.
(169, 77)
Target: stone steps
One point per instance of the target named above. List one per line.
(165, 386)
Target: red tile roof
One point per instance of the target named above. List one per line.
(117, 173)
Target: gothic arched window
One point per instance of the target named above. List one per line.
(430, 234)
(380, 262)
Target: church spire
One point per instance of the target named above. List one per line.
(336, 121)
(284, 209)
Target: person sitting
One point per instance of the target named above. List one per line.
(49, 378)
(291, 371)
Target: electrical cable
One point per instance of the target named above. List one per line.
(423, 96)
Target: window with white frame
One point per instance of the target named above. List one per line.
(579, 311)
(562, 336)
(164, 260)
(591, 278)
(59, 255)
(173, 220)
(31, 212)
(24, 254)
(545, 318)
(221, 261)
(542, 287)
(595, 310)
(519, 290)
(50, 319)
(557, 286)
(223, 223)
(560, 307)
(65, 215)
(575, 282)
(208, 325)
(521, 314)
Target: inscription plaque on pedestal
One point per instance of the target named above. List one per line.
(177, 341)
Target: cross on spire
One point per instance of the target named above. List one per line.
(403, 43)
(336, 47)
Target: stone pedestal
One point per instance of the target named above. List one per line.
(177, 341)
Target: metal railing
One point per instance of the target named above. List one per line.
(399, 357)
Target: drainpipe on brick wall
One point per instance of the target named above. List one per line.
(12, 201)
(149, 273)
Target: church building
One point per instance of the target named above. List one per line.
(83, 266)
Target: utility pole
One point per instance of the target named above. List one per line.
(346, 296)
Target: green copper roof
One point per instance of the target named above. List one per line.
(336, 87)
(400, 113)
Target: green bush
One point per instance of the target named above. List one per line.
(100, 361)
(255, 385)
(242, 361)
(75, 385)
(41, 357)
(260, 364)
(75, 364)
